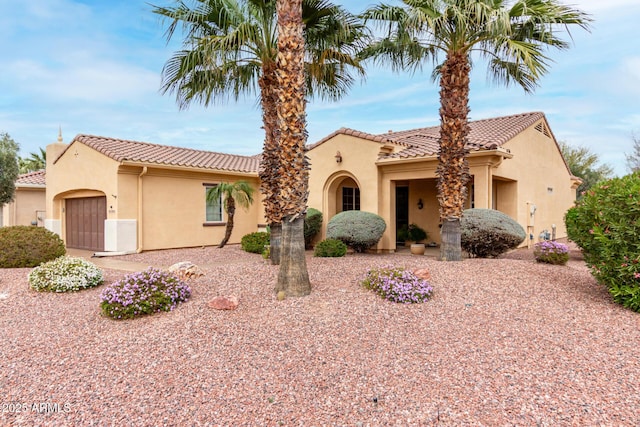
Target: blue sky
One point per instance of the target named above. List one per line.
(94, 67)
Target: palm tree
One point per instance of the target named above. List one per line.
(231, 50)
(240, 192)
(35, 161)
(511, 38)
(293, 277)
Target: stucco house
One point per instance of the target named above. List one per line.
(29, 202)
(112, 195)
(515, 164)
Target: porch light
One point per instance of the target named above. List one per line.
(420, 204)
(338, 157)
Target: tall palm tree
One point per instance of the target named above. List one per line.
(240, 193)
(35, 161)
(511, 36)
(230, 49)
(293, 277)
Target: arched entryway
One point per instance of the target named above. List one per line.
(341, 193)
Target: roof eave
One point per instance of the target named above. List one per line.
(189, 168)
(31, 186)
(501, 152)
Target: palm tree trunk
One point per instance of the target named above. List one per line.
(275, 242)
(269, 168)
(293, 277)
(231, 211)
(453, 167)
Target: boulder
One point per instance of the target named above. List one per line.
(422, 273)
(229, 302)
(186, 270)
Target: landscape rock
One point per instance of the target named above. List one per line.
(186, 270)
(229, 302)
(422, 273)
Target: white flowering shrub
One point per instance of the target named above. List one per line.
(65, 274)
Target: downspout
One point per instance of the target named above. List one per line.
(140, 211)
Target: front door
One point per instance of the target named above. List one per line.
(402, 210)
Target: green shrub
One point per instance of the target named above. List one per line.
(28, 246)
(255, 242)
(416, 234)
(551, 252)
(357, 229)
(397, 285)
(312, 225)
(142, 293)
(489, 233)
(605, 224)
(330, 248)
(402, 235)
(65, 274)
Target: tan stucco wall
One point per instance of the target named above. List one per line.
(327, 176)
(80, 172)
(28, 201)
(173, 213)
(542, 179)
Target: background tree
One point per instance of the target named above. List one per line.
(240, 192)
(293, 277)
(35, 161)
(512, 40)
(584, 164)
(230, 49)
(8, 168)
(633, 159)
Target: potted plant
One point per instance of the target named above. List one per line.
(417, 235)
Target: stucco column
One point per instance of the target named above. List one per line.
(386, 209)
(483, 186)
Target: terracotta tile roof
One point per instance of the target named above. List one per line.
(383, 139)
(36, 178)
(485, 134)
(143, 152)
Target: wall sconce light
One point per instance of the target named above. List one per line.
(420, 204)
(338, 157)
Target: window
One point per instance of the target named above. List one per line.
(214, 207)
(350, 199)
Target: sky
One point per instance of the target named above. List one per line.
(94, 67)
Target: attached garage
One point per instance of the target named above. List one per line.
(85, 219)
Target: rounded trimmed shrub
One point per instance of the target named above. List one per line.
(312, 226)
(488, 233)
(255, 242)
(330, 248)
(397, 285)
(142, 293)
(357, 229)
(65, 274)
(28, 246)
(551, 252)
(605, 224)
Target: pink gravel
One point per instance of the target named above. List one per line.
(503, 342)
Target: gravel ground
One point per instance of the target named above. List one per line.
(503, 342)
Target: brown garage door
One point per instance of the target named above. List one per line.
(85, 223)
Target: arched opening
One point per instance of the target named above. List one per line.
(341, 192)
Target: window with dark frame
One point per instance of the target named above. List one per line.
(350, 199)
(213, 211)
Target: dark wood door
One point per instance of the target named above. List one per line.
(85, 223)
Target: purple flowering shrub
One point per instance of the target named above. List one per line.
(397, 285)
(551, 252)
(141, 293)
